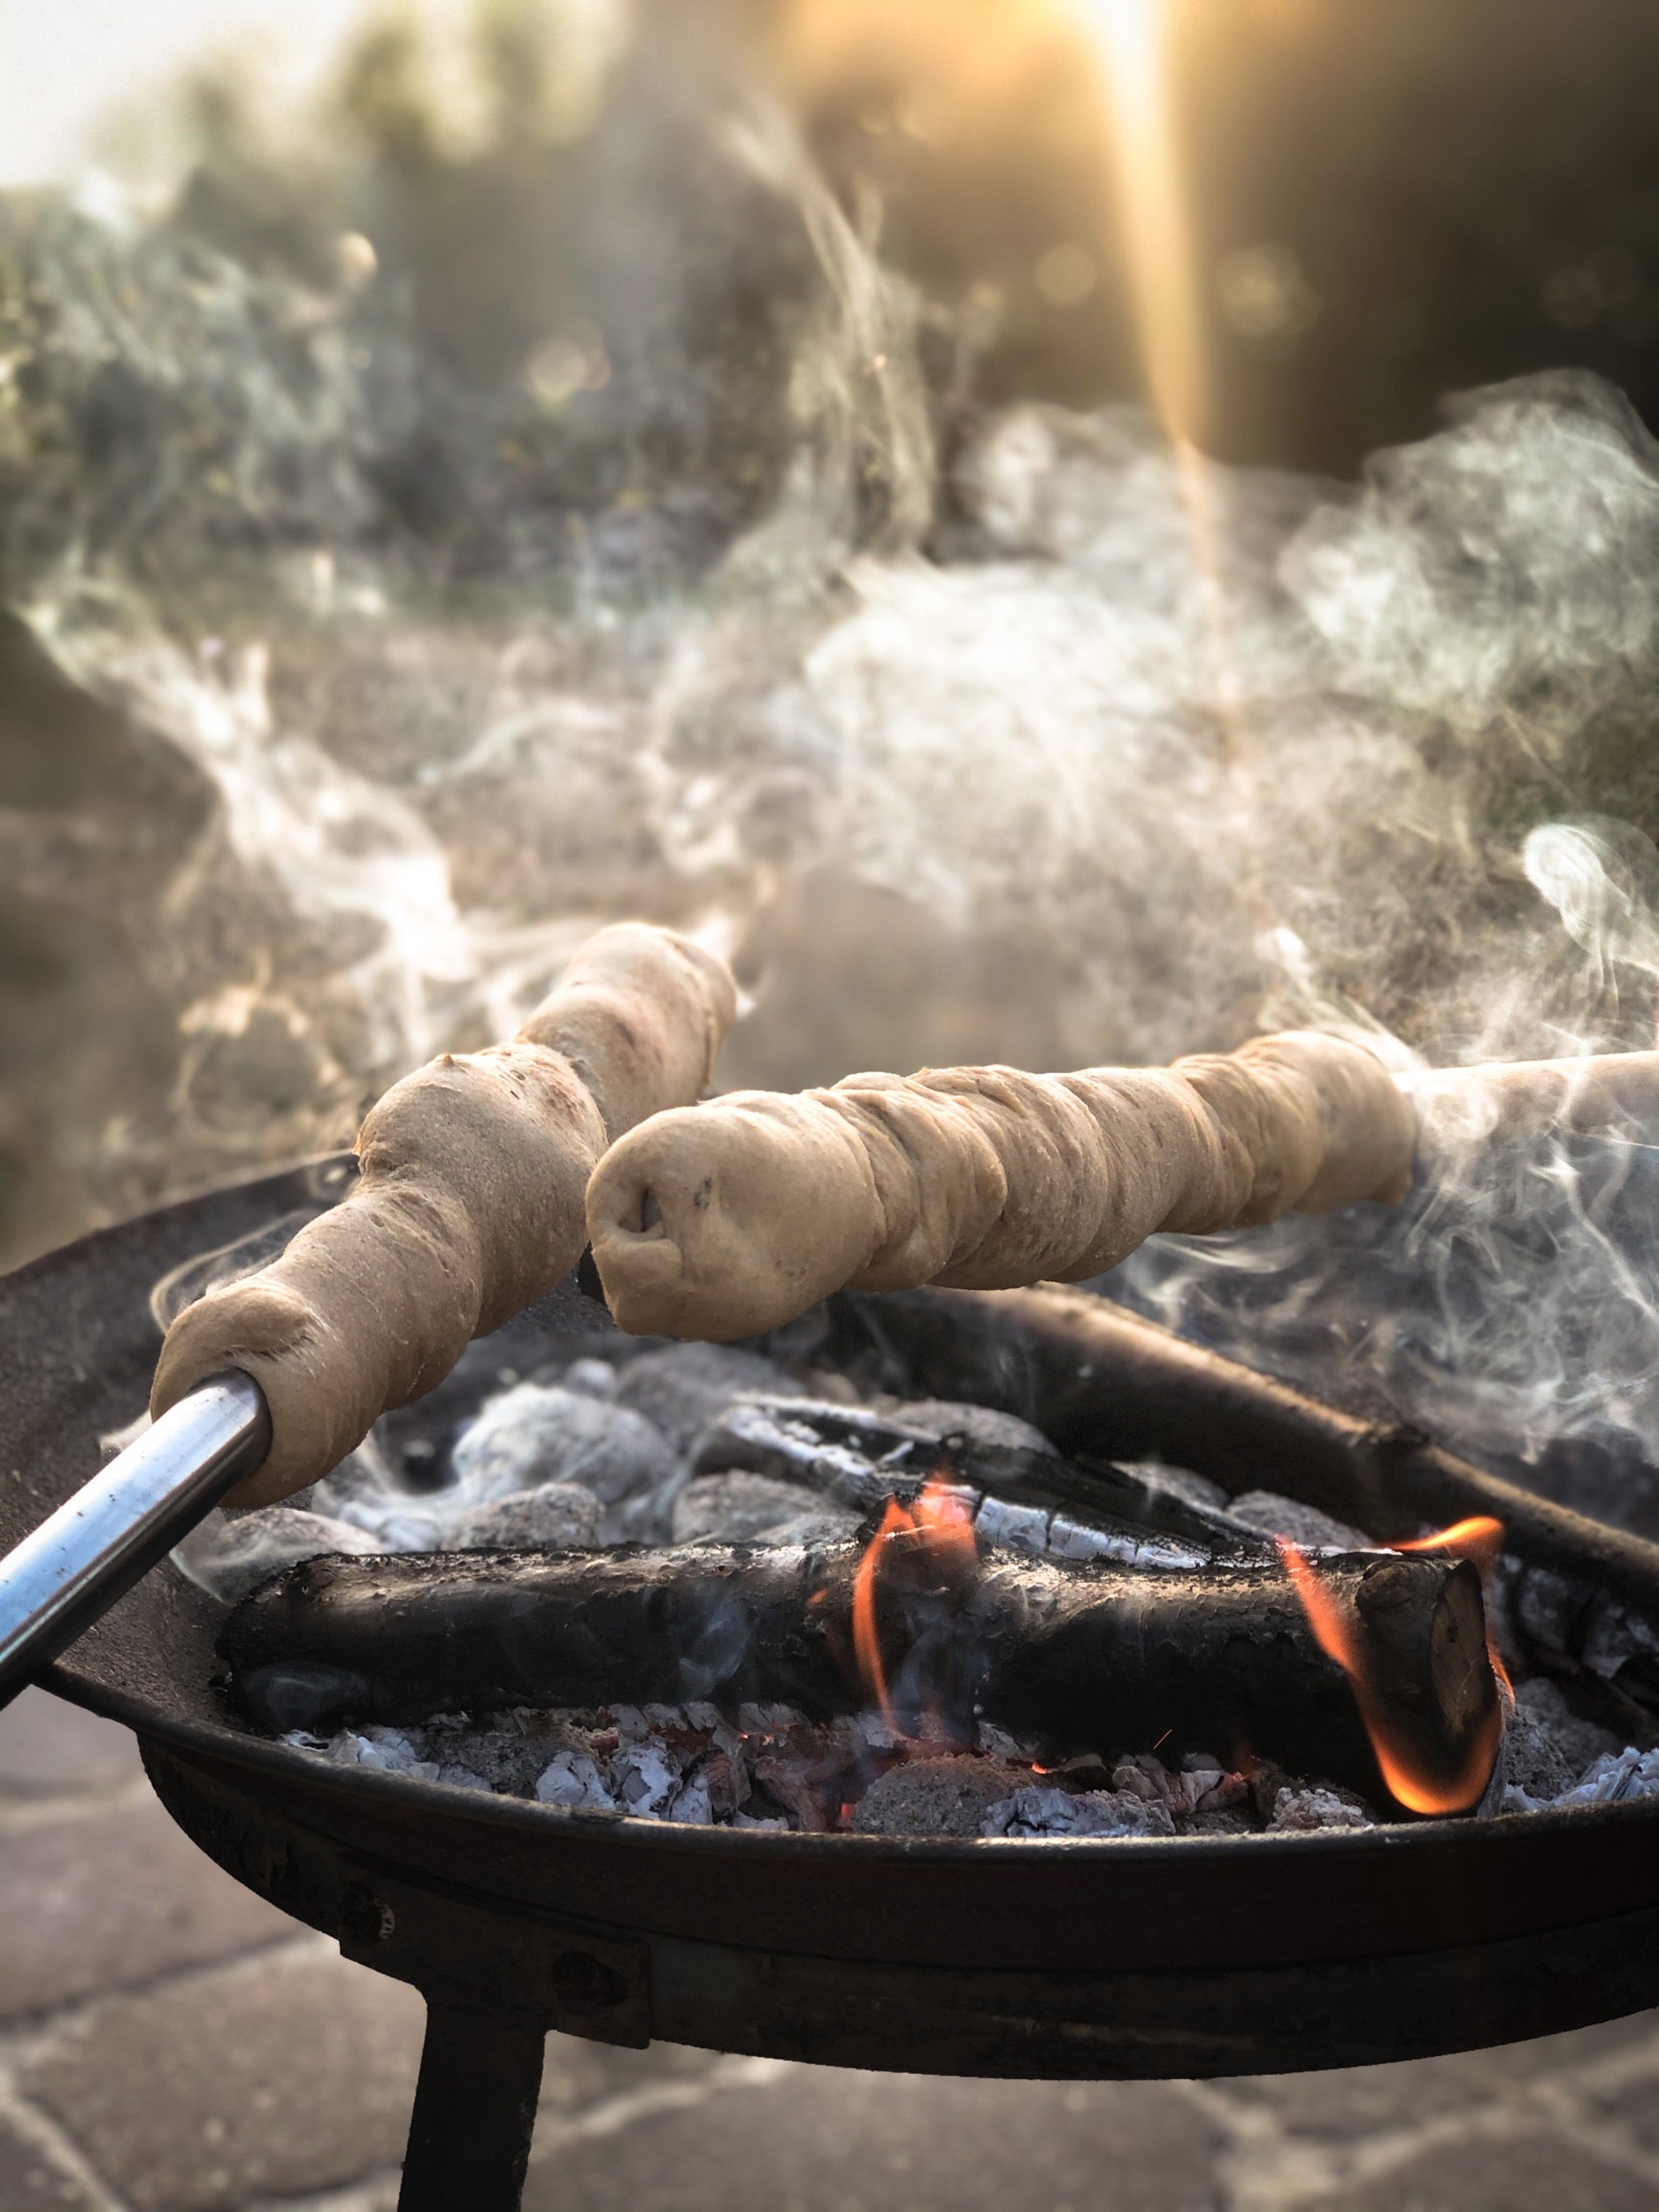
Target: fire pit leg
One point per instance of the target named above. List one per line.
(469, 2134)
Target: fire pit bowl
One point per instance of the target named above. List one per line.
(1094, 1957)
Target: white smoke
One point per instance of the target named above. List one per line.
(1369, 795)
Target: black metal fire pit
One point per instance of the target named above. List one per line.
(1120, 1957)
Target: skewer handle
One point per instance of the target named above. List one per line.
(96, 1545)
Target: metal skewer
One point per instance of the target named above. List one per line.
(73, 1567)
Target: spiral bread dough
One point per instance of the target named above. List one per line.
(468, 1207)
(720, 1220)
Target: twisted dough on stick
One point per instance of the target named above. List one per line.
(468, 1208)
(721, 1220)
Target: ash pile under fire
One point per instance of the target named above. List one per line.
(592, 1441)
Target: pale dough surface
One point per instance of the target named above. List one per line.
(721, 1220)
(468, 1207)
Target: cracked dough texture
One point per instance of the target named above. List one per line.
(468, 1207)
(719, 1221)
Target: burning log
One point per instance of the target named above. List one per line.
(468, 1208)
(725, 1220)
(1094, 1657)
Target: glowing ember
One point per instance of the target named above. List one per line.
(1407, 1775)
(939, 1529)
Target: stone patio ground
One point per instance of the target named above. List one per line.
(169, 2044)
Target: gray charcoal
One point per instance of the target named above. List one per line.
(645, 1518)
(949, 1796)
(1178, 1482)
(1202, 1785)
(229, 1555)
(977, 1425)
(572, 1779)
(1270, 1515)
(1549, 1609)
(1535, 1767)
(662, 1720)
(1306, 1810)
(1051, 1812)
(1618, 1777)
(684, 1387)
(1611, 1635)
(768, 1720)
(1579, 1741)
(557, 1516)
(737, 1507)
(995, 1741)
(594, 1377)
(823, 1522)
(461, 1777)
(535, 1433)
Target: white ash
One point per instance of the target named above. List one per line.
(556, 1516)
(572, 1779)
(1617, 1779)
(537, 1432)
(1304, 1526)
(765, 1766)
(1039, 1811)
(739, 1507)
(1312, 1808)
(229, 1555)
(683, 1388)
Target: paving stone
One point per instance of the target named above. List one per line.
(31, 2178)
(289, 2073)
(819, 2139)
(49, 1745)
(1361, 2100)
(1524, 2172)
(111, 1894)
(577, 2074)
(1636, 2105)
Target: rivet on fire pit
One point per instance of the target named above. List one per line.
(584, 1986)
(364, 1917)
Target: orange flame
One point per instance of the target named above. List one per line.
(1479, 1538)
(1402, 1768)
(938, 1524)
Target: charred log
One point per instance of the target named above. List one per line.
(1043, 1354)
(860, 1458)
(1092, 1657)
